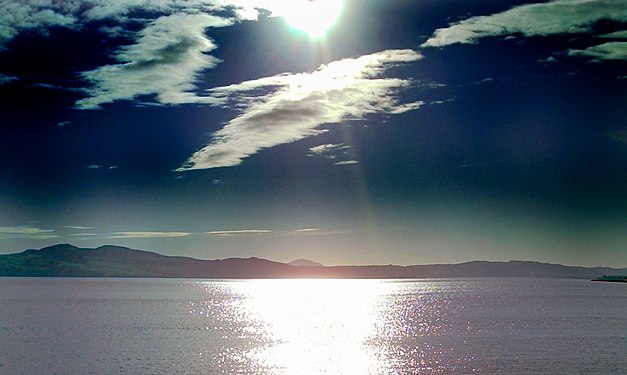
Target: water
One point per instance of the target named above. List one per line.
(159, 326)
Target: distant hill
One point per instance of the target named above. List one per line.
(305, 263)
(65, 260)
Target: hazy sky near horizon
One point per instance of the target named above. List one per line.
(346, 132)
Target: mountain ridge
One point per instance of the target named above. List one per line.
(66, 260)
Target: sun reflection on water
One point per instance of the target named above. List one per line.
(316, 326)
(336, 326)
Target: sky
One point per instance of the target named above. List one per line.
(341, 131)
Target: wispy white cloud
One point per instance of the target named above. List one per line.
(41, 15)
(549, 59)
(615, 35)
(306, 230)
(164, 62)
(63, 124)
(295, 105)
(332, 151)
(605, 51)
(84, 235)
(238, 232)
(327, 148)
(148, 234)
(100, 166)
(4, 78)
(17, 16)
(485, 80)
(26, 232)
(170, 48)
(554, 17)
(78, 227)
(436, 102)
(346, 162)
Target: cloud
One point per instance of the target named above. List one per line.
(78, 227)
(26, 232)
(555, 17)
(289, 107)
(42, 15)
(170, 49)
(238, 232)
(17, 16)
(549, 59)
(333, 152)
(605, 51)
(346, 162)
(327, 148)
(94, 166)
(485, 80)
(306, 230)
(4, 78)
(164, 62)
(615, 35)
(148, 234)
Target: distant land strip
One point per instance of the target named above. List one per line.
(66, 260)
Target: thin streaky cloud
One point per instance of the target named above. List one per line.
(605, 51)
(551, 18)
(554, 17)
(326, 148)
(104, 235)
(238, 232)
(615, 35)
(4, 78)
(331, 151)
(148, 234)
(77, 227)
(306, 230)
(26, 232)
(298, 104)
(346, 162)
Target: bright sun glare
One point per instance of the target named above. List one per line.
(314, 17)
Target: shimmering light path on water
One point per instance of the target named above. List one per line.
(381, 327)
(133, 326)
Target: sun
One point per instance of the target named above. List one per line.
(314, 17)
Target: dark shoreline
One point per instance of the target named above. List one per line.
(611, 279)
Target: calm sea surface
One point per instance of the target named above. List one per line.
(161, 326)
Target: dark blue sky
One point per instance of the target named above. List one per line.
(407, 133)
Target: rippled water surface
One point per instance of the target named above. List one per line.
(158, 326)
